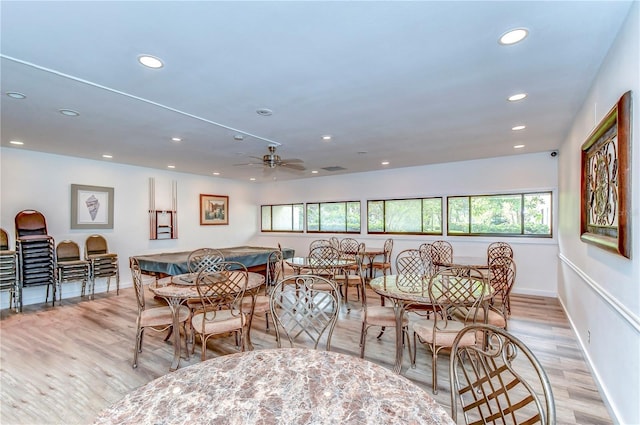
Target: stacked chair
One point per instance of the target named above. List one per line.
(35, 250)
(8, 281)
(70, 267)
(104, 264)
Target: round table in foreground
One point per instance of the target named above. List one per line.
(283, 386)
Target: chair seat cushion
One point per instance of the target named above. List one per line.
(383, 316)
(217, 322)
(261, 305)
(442, 338)
(162, 316)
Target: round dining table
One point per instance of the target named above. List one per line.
(318, 264)
(278, 386)
(181, 288)
(406, 290)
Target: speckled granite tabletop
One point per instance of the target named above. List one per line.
(283, 386)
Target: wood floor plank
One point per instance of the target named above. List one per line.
(63, 365)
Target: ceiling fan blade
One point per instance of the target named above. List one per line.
(290, 160)
(250, 163)
(297, 167)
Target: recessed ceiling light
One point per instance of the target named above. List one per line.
(326, 137)
(176, 139)
(150, 61)
(252, 179)
(15, 95)
(69, 112)
(513, 36)
(362, 152)
(385, 163)
(238, 137)
(518, 146)
(216, 173)
(314, 172)
(16, 142)
(518, 127)
(517, 97)
(107, 156)
(264, 112)
(171, 166)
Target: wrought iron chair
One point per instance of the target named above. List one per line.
(209, 259)
(70, 267)
(204, 259)
(456, 295)
(385, 264)
(260, 302)
(299, 307)
(156, 318)
(352, 276)
(498, 381)
(383, 317)
(502, 276)
(410, 262)
(221, 292)
(104, 264)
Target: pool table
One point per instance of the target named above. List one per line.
(173, 263)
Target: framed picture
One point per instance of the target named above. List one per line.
(214, 209)
(91, 207)
(606, 185)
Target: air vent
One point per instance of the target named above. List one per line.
(334, 168)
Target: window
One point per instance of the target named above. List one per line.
(333, 217)
(411, 216)
(520, 214)
(283, 218)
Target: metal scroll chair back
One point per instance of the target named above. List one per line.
(502, 276)
(323, 260)
(319, 242)
(499, 381)
(221, 292)
(498, 249)
(349, 248)
(409, 262)
(204, 259)
(441, 253)
(425, 253)
(298, 308)
(275, 268)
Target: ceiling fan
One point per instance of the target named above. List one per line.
(272, 160)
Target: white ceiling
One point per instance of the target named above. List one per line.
(408, 82)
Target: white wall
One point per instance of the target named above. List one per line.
(536, 257)
(31, 180)
(600, 290)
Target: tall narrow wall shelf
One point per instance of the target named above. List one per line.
(163, 224)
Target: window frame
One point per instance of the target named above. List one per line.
(522, 233)
(319, 206)
(421, 199)
(270, 206)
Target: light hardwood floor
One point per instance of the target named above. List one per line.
(63, 365)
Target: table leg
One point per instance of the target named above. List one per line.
(398, 307)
